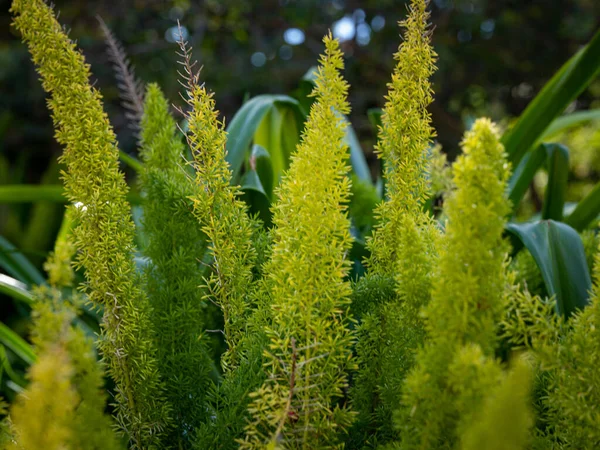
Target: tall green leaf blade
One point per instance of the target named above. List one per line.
(279, 133)
(523, 174)
(555, 158)
(243, 126)
(357, 156)
(25, 193)
(17, 265)
(570, 120)
(558, 174)
(558, 252)
(260, 161)
(255, 196)
(586, 211)
(17, 344)
(15, 289)
(572, 78)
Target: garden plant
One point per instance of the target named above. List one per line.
(255, 288)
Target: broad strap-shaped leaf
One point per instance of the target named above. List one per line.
(559, 254)
(570, 120)
(17, 265)
(246, 122)
(555, 158)
(586, 210)
(572, 78)
(17, 344)
(15, 289)
(557, 164)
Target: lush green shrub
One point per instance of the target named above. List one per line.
(290, 312)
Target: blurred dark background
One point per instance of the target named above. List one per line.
(494, 56)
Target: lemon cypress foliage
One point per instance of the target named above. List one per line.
(104, 235)
(173, 274)
(309, 349)
(456, 367)
(222, 214)
(404, 246)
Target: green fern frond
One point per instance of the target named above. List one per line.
(221, 212)
(405, 136)
(104, 235)
(38, 420)
(173, 274)
(309, 350)
(404, 246)
(505, 419)
(457, 366)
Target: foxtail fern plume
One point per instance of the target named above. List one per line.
(404, 136)
(59, 263)
(309, 350)
(38, 419)
(130, 87)
(173, 274)
(404, 246)
(104, 235)
(457, 365)
(67, 383)
(505, 420)
(222, 214)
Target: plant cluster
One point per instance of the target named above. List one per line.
(260, 299)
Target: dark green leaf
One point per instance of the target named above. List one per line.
(558, 174)
(15, 289)
(17, 344)
(570, 120)
(256, 197)
(243, 126)
(559, 254)
(586, 210)
(17, 265)
(572, 78)
(555, 158)
(260, 161)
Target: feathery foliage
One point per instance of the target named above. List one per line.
(130, 88)
(443, 344)
(104, 234)
(456, 367)
(404, 137)
(222, 214)
(310, 340)
(404, 245)
(38, 420)
(173, 274)
(574, 392)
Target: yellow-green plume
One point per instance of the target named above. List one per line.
(309, 350)
(404, 247)
(104, 235)
(457, 365)
(38, 419)
(221, 212)
(173, 274)
(404, 137)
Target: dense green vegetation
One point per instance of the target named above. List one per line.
(256, 288)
